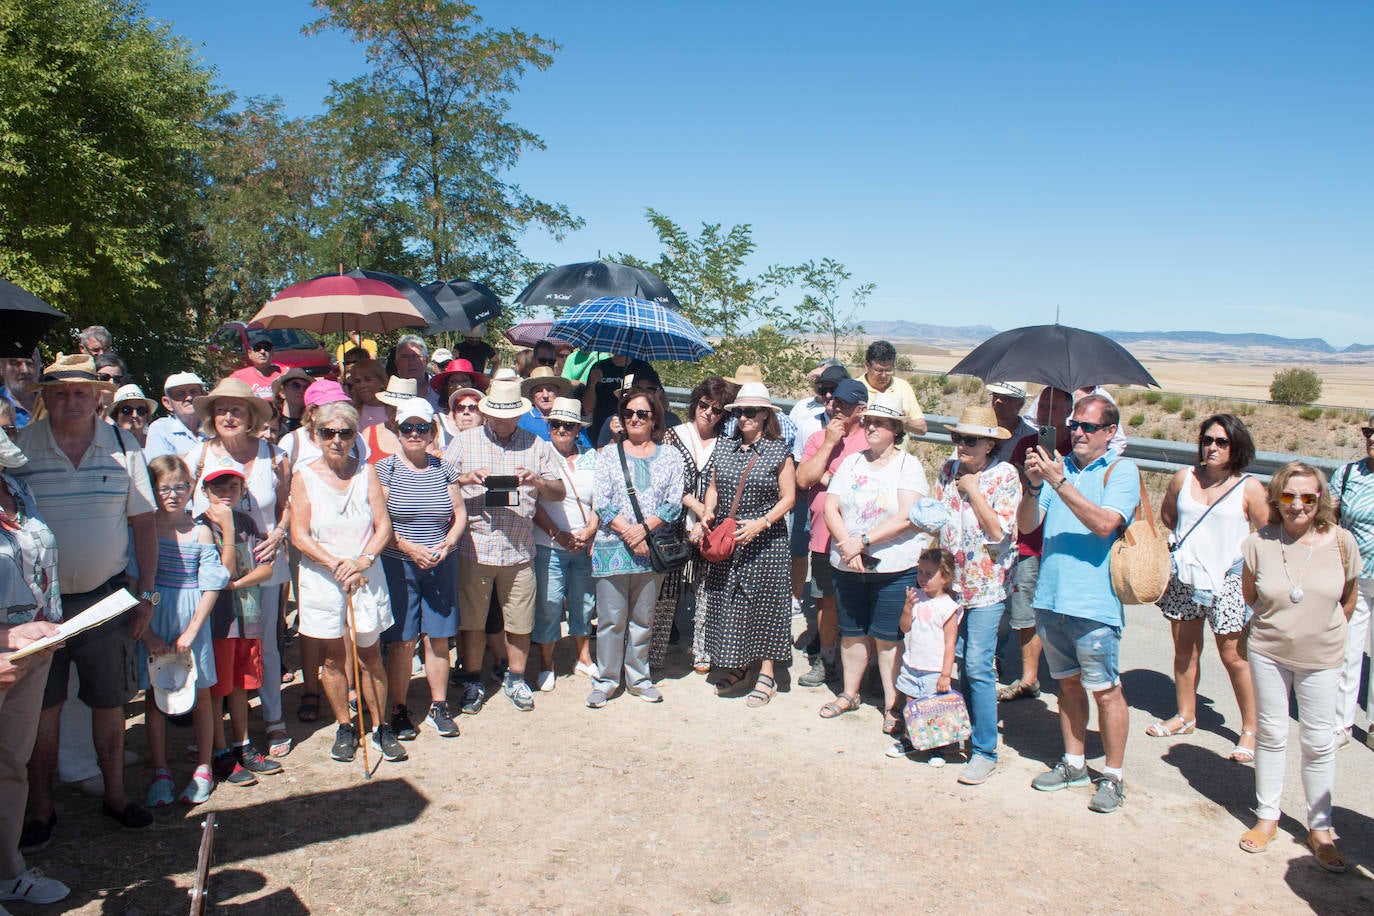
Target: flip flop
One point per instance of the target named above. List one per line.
(1256, 840)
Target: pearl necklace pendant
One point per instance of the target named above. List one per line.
(1295, 595)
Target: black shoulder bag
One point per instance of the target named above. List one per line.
(667, 550)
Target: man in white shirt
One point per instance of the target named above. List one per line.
(179, 431)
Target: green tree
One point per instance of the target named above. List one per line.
(739, 313)
(428, 127)
(827, 308)
(103, 117)
(1295, 386)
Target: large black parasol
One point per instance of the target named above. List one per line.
(1055, 355)
(24, 319)
(573, 284)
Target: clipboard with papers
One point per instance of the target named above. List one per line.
(107, 609)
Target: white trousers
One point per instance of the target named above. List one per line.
(1316, 694)
(1356, 647)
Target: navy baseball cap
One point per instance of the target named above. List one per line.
(851, 391)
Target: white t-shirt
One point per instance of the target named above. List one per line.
(925, 641)
(868, 496)
(574, 510)
(809, 415)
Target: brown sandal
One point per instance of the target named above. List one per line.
(1257, 840)
(839, 706)
(1328, 857)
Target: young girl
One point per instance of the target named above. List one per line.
(189, 577)
(236, 622)
(930, 620)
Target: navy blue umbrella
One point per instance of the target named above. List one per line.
(631, 327)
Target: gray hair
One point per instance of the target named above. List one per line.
(416, 341)
(99, 334)
(336, 410)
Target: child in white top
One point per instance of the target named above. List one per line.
(930, 620)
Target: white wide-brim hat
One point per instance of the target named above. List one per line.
(751, 394)
(885, 406)
(503, 400)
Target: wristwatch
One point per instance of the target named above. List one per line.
(863, 539)
(151, 597)
(369, 558)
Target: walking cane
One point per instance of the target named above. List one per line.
(357, 680)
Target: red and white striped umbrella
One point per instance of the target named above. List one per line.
(337, 304)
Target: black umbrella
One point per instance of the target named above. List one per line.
(1055, 355)
(573, 284)
(465, 304)
(24, 319)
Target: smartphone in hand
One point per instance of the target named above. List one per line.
(1048, 436)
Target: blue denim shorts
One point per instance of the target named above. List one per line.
(917, 685)
(1021, 592)
(870, 604)
(1078, 646)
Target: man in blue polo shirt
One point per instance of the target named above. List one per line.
(1078, 616)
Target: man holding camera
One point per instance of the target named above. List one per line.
(503, 469)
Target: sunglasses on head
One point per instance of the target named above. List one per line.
(327, 432)
(749, 412)
(640, 414)
(415, 429)
(558, 425)
(961, 439)
(1218, 441)
(1307, 499)
(1076, 425)
(132, 410)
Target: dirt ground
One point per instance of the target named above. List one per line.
(701, 804)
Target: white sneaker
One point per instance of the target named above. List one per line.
(547, 681)
(585, 669)
(32, 887)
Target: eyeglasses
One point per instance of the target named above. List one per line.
(132, 410)
(877, 423)
(415, 429)
(547, 360)
(326, 433)
(185, 394)
(961, 439)
(558, 425)
(1367, 430)
(749, 413)
(176, 489)
(640, 414)
(466, 408)
(1218, 441)
(1307, 499)
(1089, 428)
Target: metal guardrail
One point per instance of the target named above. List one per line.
(1149, 454)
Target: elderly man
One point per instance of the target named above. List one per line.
(497, 550)
(1008, 400)
(91, 485)
(410, 360)
(260, 372)
(18, 375)
(880, 359)
(179, 431)
(1082, 501)
(821, 456)
(95, 341)
(541, 389)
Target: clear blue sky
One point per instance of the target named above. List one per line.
(1141, 166)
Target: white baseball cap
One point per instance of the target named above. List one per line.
(181, 380)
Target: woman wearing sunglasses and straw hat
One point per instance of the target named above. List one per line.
(132, 411)
(1299, 577)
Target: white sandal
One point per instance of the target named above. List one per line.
(278, 746)
(1243, 754)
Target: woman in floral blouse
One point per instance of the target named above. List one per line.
(981, 496)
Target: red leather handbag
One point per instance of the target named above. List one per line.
(719, 543)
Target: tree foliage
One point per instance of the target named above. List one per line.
(103, 117)
(827, 308)
(428, 125)
(1295, 386)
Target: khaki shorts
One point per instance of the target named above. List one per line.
(514, 587)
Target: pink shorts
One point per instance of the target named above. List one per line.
(238, 665)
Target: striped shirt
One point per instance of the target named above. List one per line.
(1354, 483)
(87, 506)
(418, 501)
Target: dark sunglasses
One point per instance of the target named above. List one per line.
(749, 412)
(639, 414)
(715, 410)
(1307, 499)
(1218, 441)
(326, 433)
(414, 429)
(264, 345)
(562, 424)
(132, 410)
(547, 360)
(879, 423)
(465, 408)
(114, 377)
(827, 391)
(961, 439)
(1090, 428)
(1367, 430)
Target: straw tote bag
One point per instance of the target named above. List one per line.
(1140, 556)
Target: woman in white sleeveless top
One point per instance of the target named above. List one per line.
(1211, 509)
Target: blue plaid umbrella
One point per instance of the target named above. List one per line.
(631, 327)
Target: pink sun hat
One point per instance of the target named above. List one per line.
(325, 391)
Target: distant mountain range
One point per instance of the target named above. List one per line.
(976, 334)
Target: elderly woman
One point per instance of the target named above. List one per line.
(456, 374)
(427, 518)
(873, 551)
(131, 411)
(232, 417)
(1211, 509)
(626, 584)
(339, 522)
(365, 381)
(749, 595)
(1299, 576)
(980, 496)
(563, 533)
(1354, 485)
(696, 440)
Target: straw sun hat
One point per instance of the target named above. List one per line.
(238, 389)
(976, 420)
